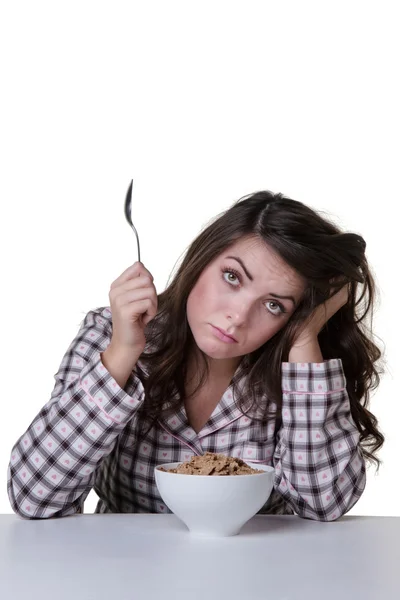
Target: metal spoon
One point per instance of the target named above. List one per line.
(128, 216)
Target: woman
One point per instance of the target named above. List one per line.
(257, 349)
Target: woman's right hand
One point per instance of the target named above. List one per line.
(133, 303)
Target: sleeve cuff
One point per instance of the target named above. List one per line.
(104, 391)
(313, 378)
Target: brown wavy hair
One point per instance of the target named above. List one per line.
(327, 259)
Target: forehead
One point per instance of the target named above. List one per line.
(265, 265)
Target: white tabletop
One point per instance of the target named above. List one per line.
(121, 557)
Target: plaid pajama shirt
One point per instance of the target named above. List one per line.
(84, 437)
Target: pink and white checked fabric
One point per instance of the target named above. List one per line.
(85, 437)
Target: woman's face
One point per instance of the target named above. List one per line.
(238, 294)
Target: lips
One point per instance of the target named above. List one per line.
(225, 333)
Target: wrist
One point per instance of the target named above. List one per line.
(127, 355)
(119, 362)
(305, 339)
(306, 350)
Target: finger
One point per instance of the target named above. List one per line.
(135, 270)
(341, 293)
(132, 296)
(141, 307)
(133, 284)
(150, 313)
(337, 301)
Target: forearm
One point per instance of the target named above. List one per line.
(307, 352)
(52, 465)
(118, 364)
(320, 469)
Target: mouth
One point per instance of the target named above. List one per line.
(223, 335)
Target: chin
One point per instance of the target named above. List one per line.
(215, 349)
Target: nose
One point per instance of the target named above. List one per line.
(238, 313)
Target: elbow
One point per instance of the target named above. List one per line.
(23, 504)
(27, 510)
(321, 515)
(21, 507)
(26, 505)
(328, 514)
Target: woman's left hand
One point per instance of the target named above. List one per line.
(321, 316)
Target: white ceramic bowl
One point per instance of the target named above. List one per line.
(216, 506)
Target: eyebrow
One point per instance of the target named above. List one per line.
(249, 275)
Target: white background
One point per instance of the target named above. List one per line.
(201, 103)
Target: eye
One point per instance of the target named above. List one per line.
(280, 309)
(231, 276)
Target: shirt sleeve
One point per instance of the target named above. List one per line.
(320, 469)
(53, 464)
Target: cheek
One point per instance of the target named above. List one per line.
(205, 297)
(260, 335)
(197, 301)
